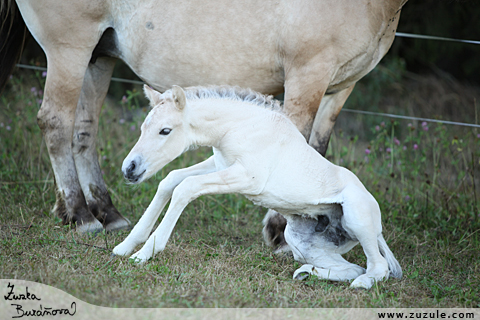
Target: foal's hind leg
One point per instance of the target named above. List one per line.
(94, 89)
(330, 266)
(305, 86)
(362, 220)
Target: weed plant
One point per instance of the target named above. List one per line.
(424, 176)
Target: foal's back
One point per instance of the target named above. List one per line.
(288, 171)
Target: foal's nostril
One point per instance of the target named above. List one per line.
(130, 169)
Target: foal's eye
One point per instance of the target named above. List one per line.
(165, 131)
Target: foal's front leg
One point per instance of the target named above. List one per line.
(230, 180)
(142, 229)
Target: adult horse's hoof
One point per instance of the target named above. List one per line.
(90, 227)
(121, 224)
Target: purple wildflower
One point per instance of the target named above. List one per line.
(44, 74)
(132, 128)
(122, 121)
(415, 146)
(425, 126)
(404, 148)
(396, 141)
(407, 198)
(124, 99)
(367, 151)
(388, 150)
(377, 128)
(8, 128)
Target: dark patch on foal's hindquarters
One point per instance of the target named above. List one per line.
(323, 223)
(331, 228)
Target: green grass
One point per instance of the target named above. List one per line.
(216, 257)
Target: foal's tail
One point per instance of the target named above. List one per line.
(13, 33)
(393, 265)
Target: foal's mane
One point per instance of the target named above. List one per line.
(234, 93)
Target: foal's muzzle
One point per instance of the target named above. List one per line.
(131, 171)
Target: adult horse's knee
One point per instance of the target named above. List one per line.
(50, 123)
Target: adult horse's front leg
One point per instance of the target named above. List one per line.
(56, 119)
(94, 90)
(68, 32)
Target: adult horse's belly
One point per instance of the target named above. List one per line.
(180, 47)
(252, 43)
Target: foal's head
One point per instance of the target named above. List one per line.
(163, 136)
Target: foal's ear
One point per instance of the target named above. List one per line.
(154, 96)
(179, 98)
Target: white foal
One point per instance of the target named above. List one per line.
(258, 153)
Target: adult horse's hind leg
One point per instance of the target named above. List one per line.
(273, 231)
(94, 89)
(325, 119)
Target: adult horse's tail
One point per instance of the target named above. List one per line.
(13, 33)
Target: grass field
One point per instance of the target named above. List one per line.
(425, 176)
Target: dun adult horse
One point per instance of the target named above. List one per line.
(313, 50)
(259, 153)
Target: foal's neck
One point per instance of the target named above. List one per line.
(211, 119)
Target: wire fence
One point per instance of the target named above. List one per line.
(380, 114)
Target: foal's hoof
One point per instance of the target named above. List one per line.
(362, 282)
(139, 258)
(303, 272)
(301, 276)
(123, 249)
